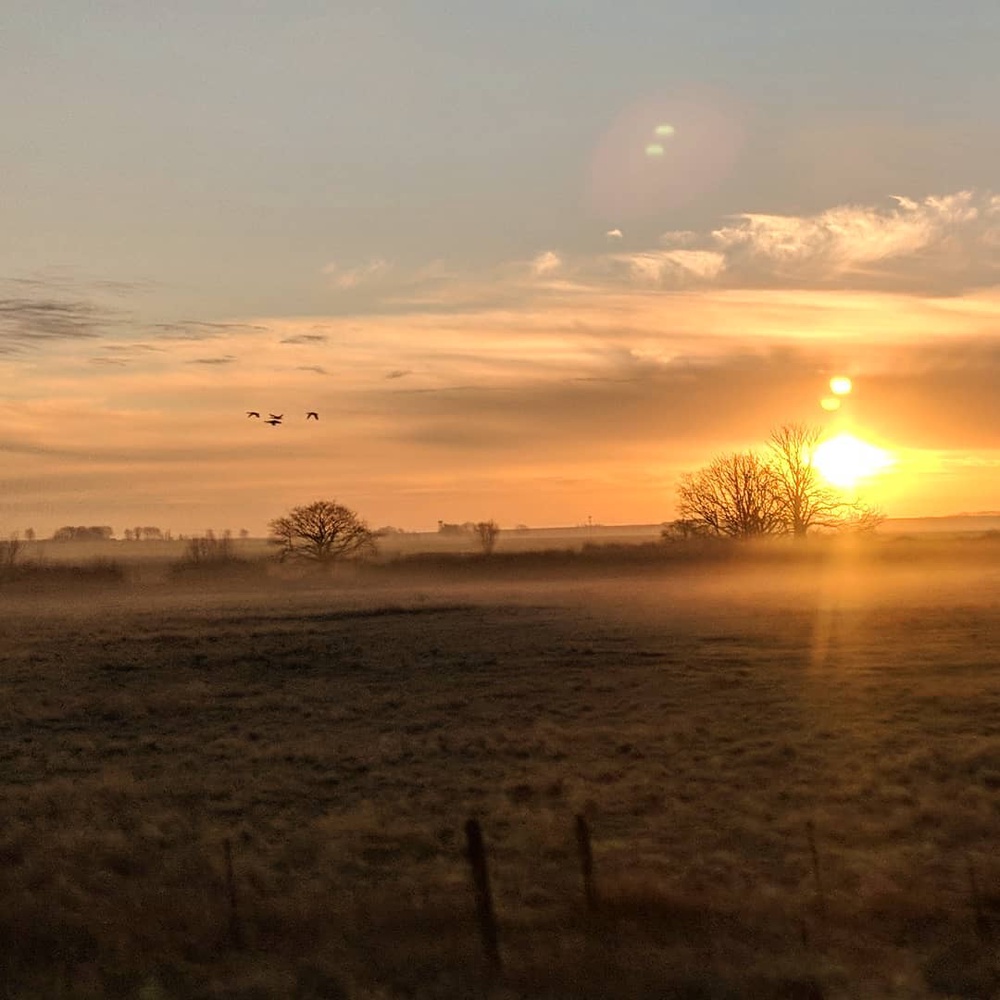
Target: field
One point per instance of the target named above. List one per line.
(790, 770)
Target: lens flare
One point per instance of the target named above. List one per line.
(830, 403)
(662, 152)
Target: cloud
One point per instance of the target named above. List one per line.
(674, 267)
(306, 338)
(545, 263)
(399, 373)
(227, 360)
(28, 322)
(189, 329)
(614, 234)
(937, 245)
(939, 240)
(350, 278)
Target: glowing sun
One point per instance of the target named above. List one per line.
(845, 460)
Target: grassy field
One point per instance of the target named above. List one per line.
(790, 769)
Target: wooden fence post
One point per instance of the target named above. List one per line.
(235, 936)
(814, 852)
(980, 920)
(484, 899)
(586, 863)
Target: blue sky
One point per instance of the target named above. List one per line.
(259, 165)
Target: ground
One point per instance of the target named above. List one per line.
(790, 773)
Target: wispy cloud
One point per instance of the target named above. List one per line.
(306, 338)
(546, 263)
(189, 329)
(351, 277)
(26, 322)
(938, 243)
(226, 360)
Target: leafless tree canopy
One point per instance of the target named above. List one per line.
(487, 532)
(737, 496)
(322, 532)
(745, 495)
(806, 500)
(10, 552)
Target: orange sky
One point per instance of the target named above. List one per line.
(542, 392)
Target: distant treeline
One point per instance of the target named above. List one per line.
(80, 533)
(104, 533)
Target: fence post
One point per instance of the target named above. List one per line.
(484, 899)
(820, 893)
(235, 937)
(586, 862)
(980, 920)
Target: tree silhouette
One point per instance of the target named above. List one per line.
(807, 502)
(746, 495)
(735, 496)
(487, 532)
(322, 532)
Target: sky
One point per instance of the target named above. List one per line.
(530, 261)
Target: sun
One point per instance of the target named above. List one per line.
(845, 460)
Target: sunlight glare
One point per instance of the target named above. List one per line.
(840, 385)
(845, 460)
(665, 130)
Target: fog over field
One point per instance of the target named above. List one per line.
(789, 769)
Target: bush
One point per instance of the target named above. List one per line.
(210, 550)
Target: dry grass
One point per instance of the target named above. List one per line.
(339, 733)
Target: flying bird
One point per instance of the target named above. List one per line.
(312, 415)
(276, 416)
(274, 421)
(253, 413)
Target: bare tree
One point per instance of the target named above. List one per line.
(807, 501)
(487, 532)
(746, 495)
(862, 519)
(321, 532)
(682, 530)
(736, 496)
(10, 552)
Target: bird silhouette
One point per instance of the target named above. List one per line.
(276, 416)
(253, 413)
(312, 415)
(273, 422)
